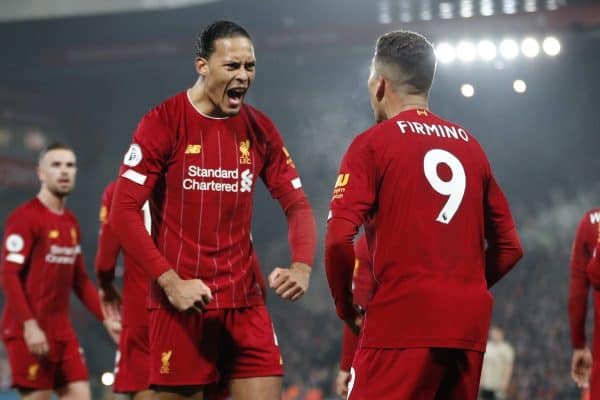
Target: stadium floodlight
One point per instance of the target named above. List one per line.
(530, 47)
(467, 90)
(509, 49)
(445, 52)
(107, 378)
(551, 46)
(519, 86)
(486, 50)
(466, 52)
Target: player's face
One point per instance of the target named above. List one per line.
(57, 171)
(228, 74)
(373, 84)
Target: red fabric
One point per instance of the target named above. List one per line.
(420, 373)
(232, 343)
(302, 229)
(41, 257)
(132, 369)
(64, 364)
(362, 289)
(199, 175)
(579, 283)
(428, 247)
(135, 279)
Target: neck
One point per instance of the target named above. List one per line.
(396, 104)
(51, 201)
(201, 101)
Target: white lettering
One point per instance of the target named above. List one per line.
(444, 131)
(595, 217)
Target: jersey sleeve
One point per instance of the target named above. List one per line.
(108, 244)
(579, 283)
(19, 238)
(279, 172)
(355, 189)
(363, 276)
(503, 244)
(144, 163)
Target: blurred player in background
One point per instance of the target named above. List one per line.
(196, 158)
(41, 263)
(132, 369)
(362, 287)
(497, 368)
(438, 228)
(586, 237)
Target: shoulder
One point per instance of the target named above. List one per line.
(25, 211)
(165, 115)
(259, 119)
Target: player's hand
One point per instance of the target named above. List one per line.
(185, 294)
(290, 283)
(341, 384)
(35, 338)
(581, 367)
(114, 328)
(110, 302)
(355, 324)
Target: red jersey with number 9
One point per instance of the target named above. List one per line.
(424, 190)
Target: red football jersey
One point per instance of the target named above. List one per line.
(423, 188)
(579, 285)
(135, 279)
(41, 262)
(200, 174)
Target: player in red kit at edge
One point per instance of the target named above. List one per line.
(196, 158)
(584, 271)
(439, 231)
(132, 368)
(362, 287)
(41, 261)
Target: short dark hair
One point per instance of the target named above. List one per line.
(205, 41)
(409, 57)
(54, 146)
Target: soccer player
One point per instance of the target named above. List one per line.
(41, 262)
(196, 158)
(132, 367)
(439, 231)
(362, 287)
(497, 367)
(582, 258)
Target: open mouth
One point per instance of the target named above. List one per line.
(235, 96)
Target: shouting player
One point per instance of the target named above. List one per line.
(439, 230)
(41, 263)
(196, 158)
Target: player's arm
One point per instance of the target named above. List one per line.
(349, 345)
(281, 179)
(18, 243)
(503, 244)
(593, 265)
(353, 197)
(106, 260)
(579, 285)
(143, 164)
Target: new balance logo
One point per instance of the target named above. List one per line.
(246, 183)
(193, 149)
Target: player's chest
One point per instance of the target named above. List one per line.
(59, 242)
(215, 163)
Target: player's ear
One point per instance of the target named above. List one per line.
(380, 89)
(201, 66)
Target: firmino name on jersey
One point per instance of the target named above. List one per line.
(62, 254)
(241, 182)
(444, 131)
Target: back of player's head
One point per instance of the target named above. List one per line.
(54, 146)
(407, 60)
(205, 41)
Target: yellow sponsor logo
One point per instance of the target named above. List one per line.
(422, 113)
(165, 362)
(289, 160)
(245, 152)
(340, 186)
(32, 372)
(103, 214)
(74, 236)
(193, 149)
(53, 234)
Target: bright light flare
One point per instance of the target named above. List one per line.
(486, 50)
(466, 52)
(509, 49)
(551, 46)
(530, 47)
(108, 378)
(445, 53)
(467, 90)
